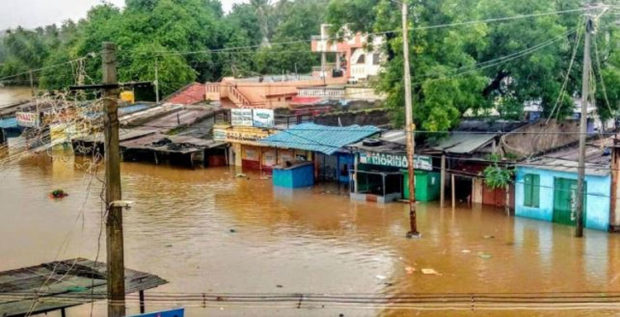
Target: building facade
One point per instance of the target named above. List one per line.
(357, 56)
(549, 194)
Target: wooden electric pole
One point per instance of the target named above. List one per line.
(583, 124)
(156, 80)
(114, 219)
(409, 126)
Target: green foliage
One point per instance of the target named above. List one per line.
(496, 176)
(449, 68)
(146, 30)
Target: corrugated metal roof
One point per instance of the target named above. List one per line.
(394, 136)
(568, 166)
(463, 143)
(319, 138)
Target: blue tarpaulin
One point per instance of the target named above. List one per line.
(319, 138)
(9, 123)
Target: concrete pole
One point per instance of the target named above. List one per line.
(32, 92)
(114, 220)
(585, 87)
(409, 126)
(615, 156)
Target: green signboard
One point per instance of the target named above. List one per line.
(396, 160)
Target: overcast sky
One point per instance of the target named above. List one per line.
(34, 13)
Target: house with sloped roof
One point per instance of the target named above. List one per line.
(546, 186)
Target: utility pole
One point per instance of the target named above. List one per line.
(114, 219)
(409, 127)
(31, 83)
(156, 80)
(585, 87)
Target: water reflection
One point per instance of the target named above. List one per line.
(208, 230)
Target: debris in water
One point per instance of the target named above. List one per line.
(240, 175)
(488, 236)
(410, 269)
(483, 255)
(233, 230)
(76, 289)
(466, 251)
(279, 286)
(430, 272)
(168, 245)
(381, 277)
(58, 193)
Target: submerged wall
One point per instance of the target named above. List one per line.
(597, 201)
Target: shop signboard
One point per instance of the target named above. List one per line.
(396, 160)
(219, 134)
(258, 118)
(247, 135)
(241, 117)
(27, 119)
(263, 118)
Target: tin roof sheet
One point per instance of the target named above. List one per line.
(319, 138)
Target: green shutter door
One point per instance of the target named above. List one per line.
(527, 188)
(536, 191)
(564, 201)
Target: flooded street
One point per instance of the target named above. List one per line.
(208, 231)
(13, 94)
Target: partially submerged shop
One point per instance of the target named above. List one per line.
(465, 155)
(247, 127)
(380, 171)
(325, 146)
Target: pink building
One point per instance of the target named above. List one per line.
(269, 92)
(357, 56)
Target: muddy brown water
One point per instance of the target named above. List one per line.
(13, 94)
(302, 241)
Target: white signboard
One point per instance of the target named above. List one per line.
(263, 118)
(241, 117)
(396, 160)
(27, 119)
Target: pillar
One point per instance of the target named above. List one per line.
(442, 181)
(453, 191)
(355, 163)
(141, 294)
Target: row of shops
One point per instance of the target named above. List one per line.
(362, 158)
(372, 164)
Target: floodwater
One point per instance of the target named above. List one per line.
(306, 241)
(13, 94)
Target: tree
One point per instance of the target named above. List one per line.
(476, 65)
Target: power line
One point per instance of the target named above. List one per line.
(48, 67)
(500, 19)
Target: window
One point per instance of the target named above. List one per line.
(376, 59)
(531, 197)
(361, 59)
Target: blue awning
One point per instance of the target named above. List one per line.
(319, 138)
